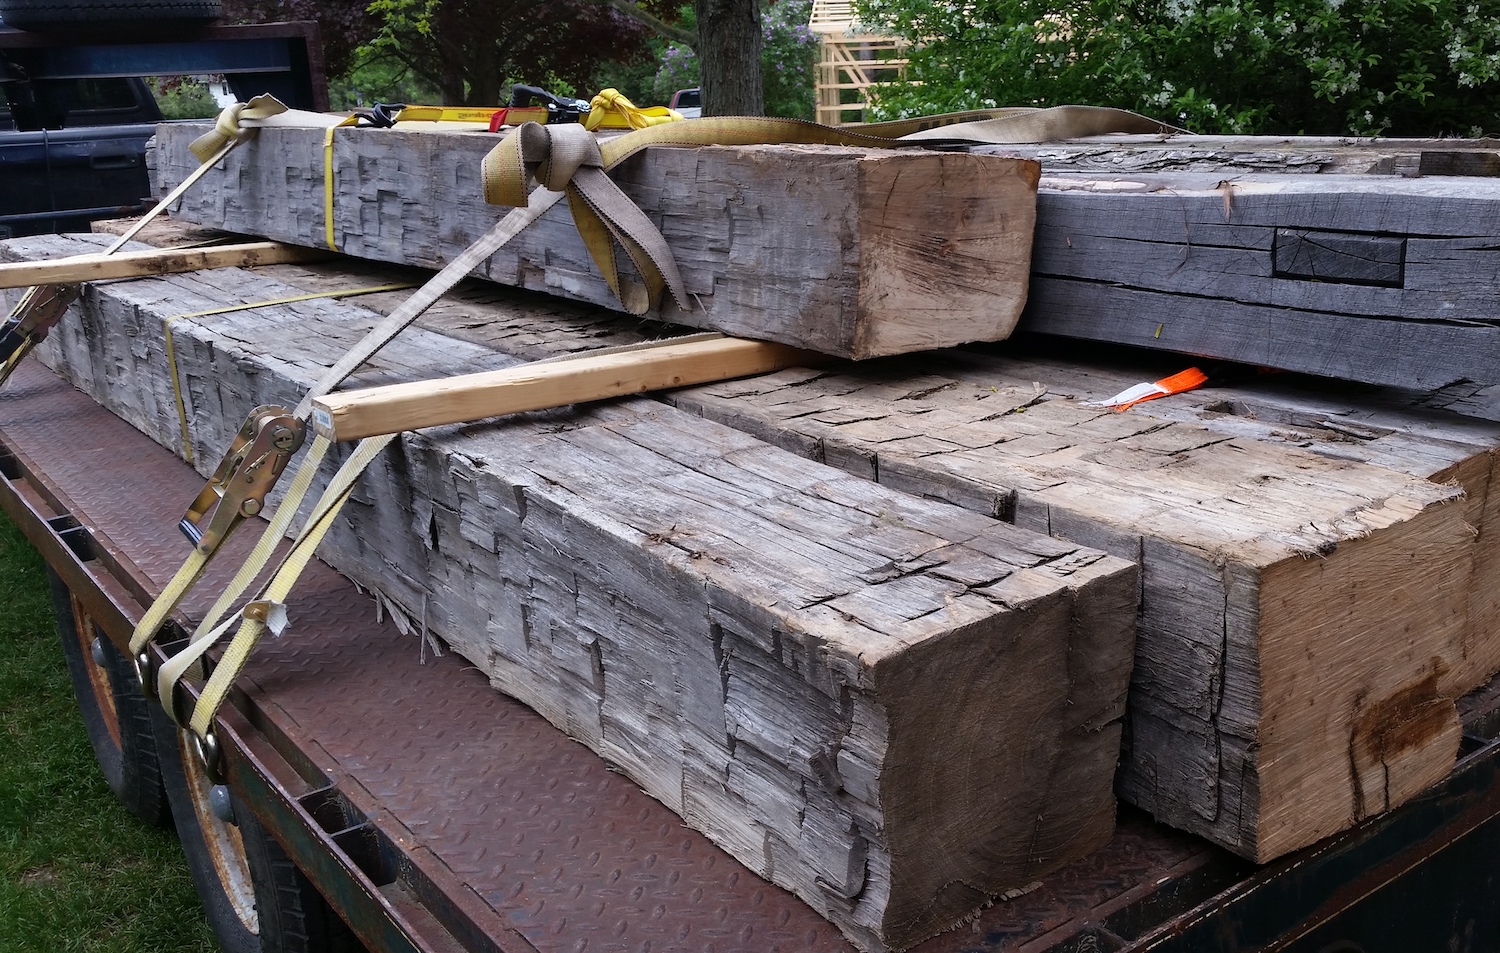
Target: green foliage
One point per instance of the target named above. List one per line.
(678, 70)
(677, 64)
(470, 51)
(789, 55)
(788, 58)
(77, 873)
(1368, 67)
(635, 79)
(181, 98)
(378, 78)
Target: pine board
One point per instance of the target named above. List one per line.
(892, 707)
(855, 253)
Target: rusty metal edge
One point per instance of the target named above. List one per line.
(388, 920)
(1290, 898)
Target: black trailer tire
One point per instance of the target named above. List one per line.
(116, 716)
(46, 14)
(255, 898)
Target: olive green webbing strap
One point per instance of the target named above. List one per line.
(229, 130)
(275, 531)
(566, 158)
(193, 567)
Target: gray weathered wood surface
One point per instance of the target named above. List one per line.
(893, 707)
(1237, 155)
(1379, 279)
(1202, 245)
(850, 252)
(1228, 514)
(1274, 579)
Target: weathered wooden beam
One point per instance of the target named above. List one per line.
(159, 261)
(1230, 498)
(855, 253)
(1238, 155)
(415, 405)
(1296, 600)
(1378, 279)
(1208, 503)
(866, 697)
(1191, 244)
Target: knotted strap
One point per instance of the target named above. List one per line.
(612, 102)
(566, 158)
(229, 126)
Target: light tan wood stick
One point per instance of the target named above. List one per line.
(163, 261)
(354, 415)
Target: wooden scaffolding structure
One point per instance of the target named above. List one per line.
(852, 60)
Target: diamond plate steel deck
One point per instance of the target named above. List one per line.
(465, 781)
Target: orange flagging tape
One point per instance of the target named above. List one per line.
(1176, 384)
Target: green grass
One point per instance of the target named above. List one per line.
(77, 873)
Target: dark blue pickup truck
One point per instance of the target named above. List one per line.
(72, 151)
(75, 116)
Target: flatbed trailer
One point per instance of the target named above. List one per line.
(431, 813)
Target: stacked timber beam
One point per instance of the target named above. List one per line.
(1305, 626)
(848, 252)
(895, 708)
(1292, 576)
(1377, 269)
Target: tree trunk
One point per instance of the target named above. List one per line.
(451, 85)
(729, 43)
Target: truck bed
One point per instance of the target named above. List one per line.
(436, 814)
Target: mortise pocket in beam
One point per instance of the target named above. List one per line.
(1342, 257)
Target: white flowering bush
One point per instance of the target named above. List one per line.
(1332, 67)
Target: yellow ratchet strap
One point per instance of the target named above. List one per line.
(328, 169)
(469, 115)
(268, 611)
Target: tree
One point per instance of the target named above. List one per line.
(1393, 67)
(470, 50)
(729, 47)
(788, 59)
(657, 21)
